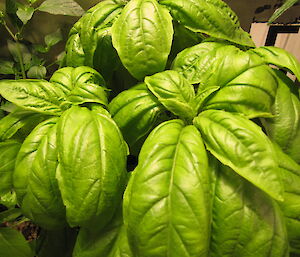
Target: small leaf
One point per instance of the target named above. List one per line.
(13, 49)
(7, 67)
(37, 72)
(61, 7)
(25, 13)
(53, 38)
(287, 4)
(12, 243)
(9, 199)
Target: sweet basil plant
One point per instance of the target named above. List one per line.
(165, 133)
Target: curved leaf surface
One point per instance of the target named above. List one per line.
(212, 17)
(8, 153)
(172, 178)
(174, 92)
(144, 110)
(92, 166)
(246, 222)
(42, 202)
(284, 127)
(279, 57)
(35, 95)
(74, 52)
(142, 36)
(241, 144)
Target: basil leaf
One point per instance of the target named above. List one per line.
(8, 153)
(9, 200)
(92, 166)
(144, 110)
(26, 156)
(42, 202)
(35, 95)
(99, 17)
(290, 174)
(279, 57)
(74, 52)
(241, 144)
(142, 36)
(246, 222)
(12, 243)
(284, 127)
(171, 179)
(174, 92)
(61, 7)
(237, 73)
(212, 17)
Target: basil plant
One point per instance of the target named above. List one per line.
(212, 120)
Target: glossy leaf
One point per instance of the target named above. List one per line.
(246, 222)
(42, 202)
(241, 144)
(26, 156)
(35, 95)
(246, 85)
(142, 36)
(279, 57)
(92, 166)
(12, 243)
(212, 17)
(174, 92)
(74, 52)
(144, 112)
(9, 199)
(8, 153)
(290, 174)
(284, 127)
(171, 179)
(61, 7)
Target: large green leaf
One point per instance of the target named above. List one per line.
(245, 222)
(143, 108)
(279, 57)
(99, 17)
(92, 166)
(290, 174)
(241, 144)
(212, 17)
(12, 243)
(42, 202)
(26, 156)
(111, 241)
(8, 153)
(174, 92)
(142, 36)
(246, 84)
(15, 121)
(35, 95)
(284, 127)
(167, 203)
(80, 85)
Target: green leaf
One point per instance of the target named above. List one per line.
(279, 57)
(239, 75)
(6, 67)
(33, 94)
(174, 92)
(13, 49)
(144, 112)
(61, 7)
(74, 52)
(241, 144)
(290, 174)
(53, 38)
(284, 127)
(142, 36)
(9, 200)
(245, 222)
(278, 12)
(203, 96)
(11, 7)
(167, 203)
(10, 215)
(26, 156)
(92, 166)
(42, 202)
(37, 72)
(212, 17)
(8, 153)
(25, 13)
(12, 243)
(100, 17)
